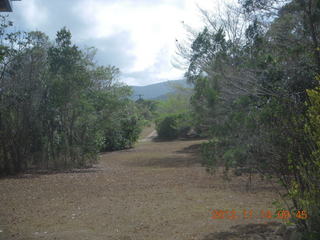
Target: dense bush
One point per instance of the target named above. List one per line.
(173, 114)
(254, 70)
(124, 133)
(57, 108)
(173, 126)
(167, 127)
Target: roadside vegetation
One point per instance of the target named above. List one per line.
(255, 71)
(58, 109)
(173, 115)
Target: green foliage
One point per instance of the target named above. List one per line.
(167, 127)
(147, 108)
(57, 108)
(173, 126)
(124, 130)
(177, 102)
(305, 190)
(173, 114)
(250, 91)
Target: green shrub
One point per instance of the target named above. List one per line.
(173, 126)
(124, 135)
(167, 127)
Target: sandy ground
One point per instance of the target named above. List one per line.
(148, 133)
(152, 135)
(157, 190)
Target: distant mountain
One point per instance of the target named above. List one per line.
(157, 91)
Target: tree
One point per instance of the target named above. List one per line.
(174, 119)
(250, 96)
(57, 108)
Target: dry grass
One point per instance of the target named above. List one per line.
(154, 191)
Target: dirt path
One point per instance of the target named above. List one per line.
(150, 136)
(157, 190)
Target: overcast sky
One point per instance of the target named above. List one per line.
(137, 36)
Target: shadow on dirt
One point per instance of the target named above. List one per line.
(156, 139)
(193, 149)
(31, 173)
(168, 162)
(186, 157)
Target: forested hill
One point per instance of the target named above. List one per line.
(157, 90)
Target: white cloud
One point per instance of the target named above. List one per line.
(151, 27)
(34, 13)
(146, 29)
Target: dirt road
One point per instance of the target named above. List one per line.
(158, 190)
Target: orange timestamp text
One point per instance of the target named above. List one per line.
(263, 214)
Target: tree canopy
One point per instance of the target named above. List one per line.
(58, 109)
(255, 69)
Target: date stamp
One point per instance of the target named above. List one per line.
(262, 214)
